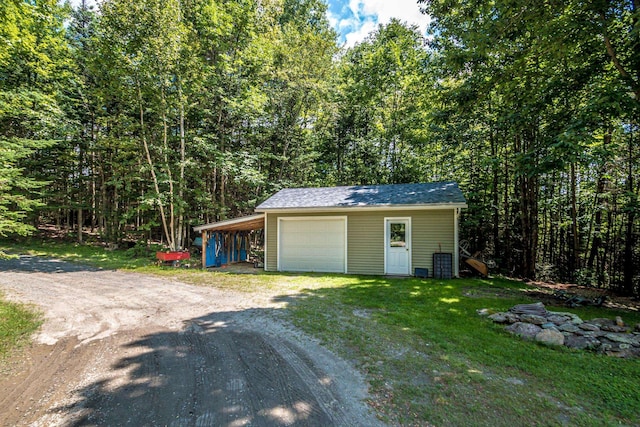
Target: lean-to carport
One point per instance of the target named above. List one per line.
(227, 241)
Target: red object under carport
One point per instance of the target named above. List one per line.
(173, 257)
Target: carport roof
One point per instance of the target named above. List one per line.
(422, 194)
(245, 223)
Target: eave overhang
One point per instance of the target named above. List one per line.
(245, 223)
(372, 208)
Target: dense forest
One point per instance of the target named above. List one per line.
(142, 118)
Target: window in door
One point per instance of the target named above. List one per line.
(397, 236)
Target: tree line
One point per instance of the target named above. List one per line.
(143, 118)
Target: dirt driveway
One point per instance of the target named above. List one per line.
(127, 349)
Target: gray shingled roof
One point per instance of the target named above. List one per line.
(436, 193)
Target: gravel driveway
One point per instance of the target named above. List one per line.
(128, 349)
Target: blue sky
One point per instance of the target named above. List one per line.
(355, 19)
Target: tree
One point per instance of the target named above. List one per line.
(220, 97)
(379, 121)
(17, 192)
(33, 57)
(552, 87)
(147, 42)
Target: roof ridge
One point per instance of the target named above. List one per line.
(428, 193)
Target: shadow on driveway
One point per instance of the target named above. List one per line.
(215, 372)
(37, 264)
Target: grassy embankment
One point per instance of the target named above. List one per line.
(428, 356)
(17, 323)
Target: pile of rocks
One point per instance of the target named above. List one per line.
(534, 322)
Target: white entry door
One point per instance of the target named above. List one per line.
(397, 246)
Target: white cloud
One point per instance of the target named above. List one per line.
(360, 17)
(360, 34)
(405, 10)
(334, 20)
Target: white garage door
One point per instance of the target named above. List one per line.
(317, 244)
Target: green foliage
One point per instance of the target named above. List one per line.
(216, 97)
(152, 116)
(16, 190)
(532, 100)
(143, 250)
(32, 62)
(377, 129)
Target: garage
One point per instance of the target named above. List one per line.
(312, 244)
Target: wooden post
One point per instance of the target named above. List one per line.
(204, 249)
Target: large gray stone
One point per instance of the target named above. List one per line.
(558, 319)
(525, 330)
(512, 318)
(568, 327)
(563, 328)
(607, 347)
(621, 338)
(593, 334)
(550, 337)
(498, 317)
(574, 318)
(586, 326)
(581, 343)
(536, 308)
(614, 328)
(533, 318)
(602, 321)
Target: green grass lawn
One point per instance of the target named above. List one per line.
(431, 358)
(96, 256)
(428, 356)
(17, 323)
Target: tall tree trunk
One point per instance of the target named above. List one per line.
(94, 200)
(597, 221)
(630, 236)
(597, 218)
(181, 184)
(81, 195)
(527, 183)
(156, 186)
(222, 209)
(508, 259)
(102, 209)
(530, 227)
(575, 238)
(80, 221)
(497, 249)
(607, 264)
(171, 237)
